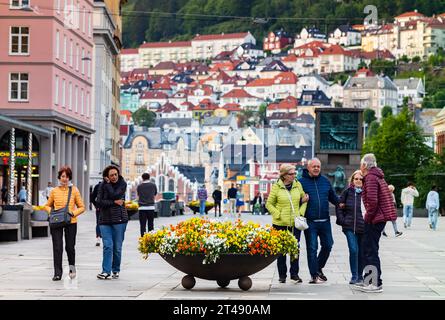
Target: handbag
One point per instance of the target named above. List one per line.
(61, 217)
(300, 221)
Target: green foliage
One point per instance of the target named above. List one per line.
(399, 148)
(143, 117)
(427, 176)
(143, 20)
(386, 111)
(369, 116)
(248, 118)
(404, 58)
(381, 66)
(373, 128)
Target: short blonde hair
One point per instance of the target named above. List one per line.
(391, 188)
(351, 179)
(285, 168)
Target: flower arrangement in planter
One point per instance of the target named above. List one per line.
(194, 205)
(131, 205)
(216, 250)
(213, 238)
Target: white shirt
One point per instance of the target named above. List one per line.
(408, 195)
(432, 200)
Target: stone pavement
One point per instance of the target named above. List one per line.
(413, 267)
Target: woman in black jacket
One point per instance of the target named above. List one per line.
(350, 217)
(112, 221)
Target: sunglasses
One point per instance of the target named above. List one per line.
(291, 174)
(358, 179)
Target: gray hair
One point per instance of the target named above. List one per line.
(369, 161)
(312, 160)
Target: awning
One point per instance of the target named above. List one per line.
(19, 124)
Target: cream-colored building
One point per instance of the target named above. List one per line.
(151, 53)
(208, 46)
(439, 131)
(412, 34)
(129, 59)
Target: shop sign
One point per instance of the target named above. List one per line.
(70, 129)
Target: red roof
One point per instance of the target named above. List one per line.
(286, 78)
(410, 14)
(164, 65)
(237, 93)
(154, 95)
(289, 58)
(167, 108)
(225, 65)
(130, 51)
(366, 71)
(335, 49)
(126, 113)
(205, 104)
(208, 90)
(288, 103)
(189, 105)
(221, 36)
(166, 44)
(232, 107)
(260, 83)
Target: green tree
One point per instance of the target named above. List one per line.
(386, 111)
(416, 59)
(262, 112)
(369, 116)
(385, 67)
(373, 128)
(143, 117)
(400, 149)
(427, 176)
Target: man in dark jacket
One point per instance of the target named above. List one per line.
(146, 192)
(320, 193)
(217, 197)
(93, 200)
(379, 207)
(231, 195)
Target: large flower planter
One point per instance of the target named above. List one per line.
(227, 267)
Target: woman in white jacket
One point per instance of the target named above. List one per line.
(432, 205)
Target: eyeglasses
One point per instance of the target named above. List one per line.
(358, 179)
(291, 173)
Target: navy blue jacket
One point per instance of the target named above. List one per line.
(351, 218)
(320, 193)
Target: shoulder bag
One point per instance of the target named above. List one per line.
(61, 217)
(300, 221)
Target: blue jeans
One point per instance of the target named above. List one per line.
(281, 261)
(202, 207)
(371, 240)
(112, 239)
(432, 217)
(407, 214)
(355, 254)
(315, 230)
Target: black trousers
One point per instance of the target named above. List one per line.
(146, 218)
(70, 242)
(371, 240)
(218, 205)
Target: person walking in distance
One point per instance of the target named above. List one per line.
(146, 193)
(58, 199)
(202, 197)
(93, 200)
(48, 189)
(394, 223)
(4, 194)
(433, 205)
(231, 195)
(320, 192)
(379, 208)
(113, 220)
(286, 201)
(407, 199)
(256, 204)
(217, 198)
(350, 218)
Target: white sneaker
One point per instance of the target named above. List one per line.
(370, 288)
(72, 272)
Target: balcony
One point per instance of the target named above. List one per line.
(139, 162)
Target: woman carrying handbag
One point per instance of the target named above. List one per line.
(286, 201)
(65, 195)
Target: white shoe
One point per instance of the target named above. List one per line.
(370, 288)
(72, 272)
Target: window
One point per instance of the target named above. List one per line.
(84, 19)
(70, 100)
(58, 6)
(77, 57)
(57, 44)
(88, 105)
(83, 61)
(71, 52)
(127, 170)
(64, 48)
(89, 24)
(171, 185)
(19, 40)
(56, 90)
(63, 94)
(18, 86)
(82, 101)
(76, 97)
(88, 65)
(18, 4)
(140, 170)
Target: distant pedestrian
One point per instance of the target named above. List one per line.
(58, 199)
(113, 220)
(4, 195)
(407, 199)
(93, 200)
(397, 233)
(433, 205)
(286, 201)
(217, 198)
(146, 193)
(257, 204)
(350, 218)
(202, 197)
(231, 195)
(48, 189)
(22, 195)
(378, 207)
(239, 202)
